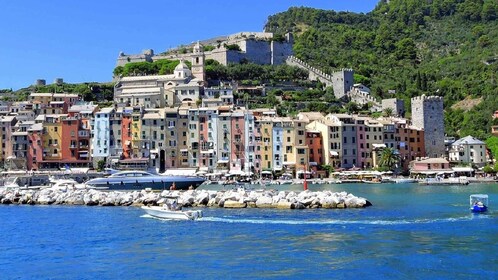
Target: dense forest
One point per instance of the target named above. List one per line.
(414, 47)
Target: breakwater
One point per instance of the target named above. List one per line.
(239, 198)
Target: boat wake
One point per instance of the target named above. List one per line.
(336, 221)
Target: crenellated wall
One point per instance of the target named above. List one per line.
(342, 81)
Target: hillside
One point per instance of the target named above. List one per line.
(99, 92)
(439, 47)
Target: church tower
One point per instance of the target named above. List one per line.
(198, 62)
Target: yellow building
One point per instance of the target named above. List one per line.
(374, 142)
(136, 132)
(266, 126)
(331, 135)
(295, 150)
(52, 137)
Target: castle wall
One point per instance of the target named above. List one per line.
(427, 113)
(280, 52)
(257, 47)
(257, 51)
(218, 55)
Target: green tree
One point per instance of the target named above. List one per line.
(352, 107)
(388, 112)
(100, 165)
(389, 158)
(406, 49)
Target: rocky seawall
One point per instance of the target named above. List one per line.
(240, 198)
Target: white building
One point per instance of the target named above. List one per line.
(468, 150)
(158, 91)
(102, 133)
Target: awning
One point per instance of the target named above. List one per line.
(266, 172)
(431, 171)
(313, 163)
(463, 169)
(183, 150)
(210, 151)
(334, 153)
(289, 163)
(155, 151)
(379, 145)
(237, 172)
(127, 142)
(223, 161)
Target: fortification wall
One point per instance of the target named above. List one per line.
(362, 98)
(280, 52)
(257, 47)
(341, 81)
(258, 52)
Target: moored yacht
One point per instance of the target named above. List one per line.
(138, 180)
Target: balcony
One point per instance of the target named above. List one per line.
(83, 155)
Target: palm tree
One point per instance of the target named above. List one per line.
(389, 158)
(388, 112)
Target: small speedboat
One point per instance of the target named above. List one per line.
(478, 203)
(171, 211)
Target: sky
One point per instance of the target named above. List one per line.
(79, 41)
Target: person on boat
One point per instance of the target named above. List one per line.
(173, 186)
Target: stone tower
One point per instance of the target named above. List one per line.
(198, 62)
(427, 113)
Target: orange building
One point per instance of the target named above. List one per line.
(315, 145)
(126, 134)
(410, 143)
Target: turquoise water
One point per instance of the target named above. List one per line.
(410, 232)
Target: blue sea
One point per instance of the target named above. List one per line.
(410, 232)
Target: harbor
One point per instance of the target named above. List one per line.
(427, 227)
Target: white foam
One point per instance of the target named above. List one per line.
(334, 221)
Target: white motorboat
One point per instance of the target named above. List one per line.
(172, 212)
(404, 180)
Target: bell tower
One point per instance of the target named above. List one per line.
(198, 62)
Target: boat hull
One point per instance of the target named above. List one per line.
(163, 213)
(157, 183)
(479, 209)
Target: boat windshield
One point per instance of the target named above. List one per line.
(475, 199)
(10, 181)
(130, 174)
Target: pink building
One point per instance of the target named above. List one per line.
(430, 166)
(363, 154)
(35, 148)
